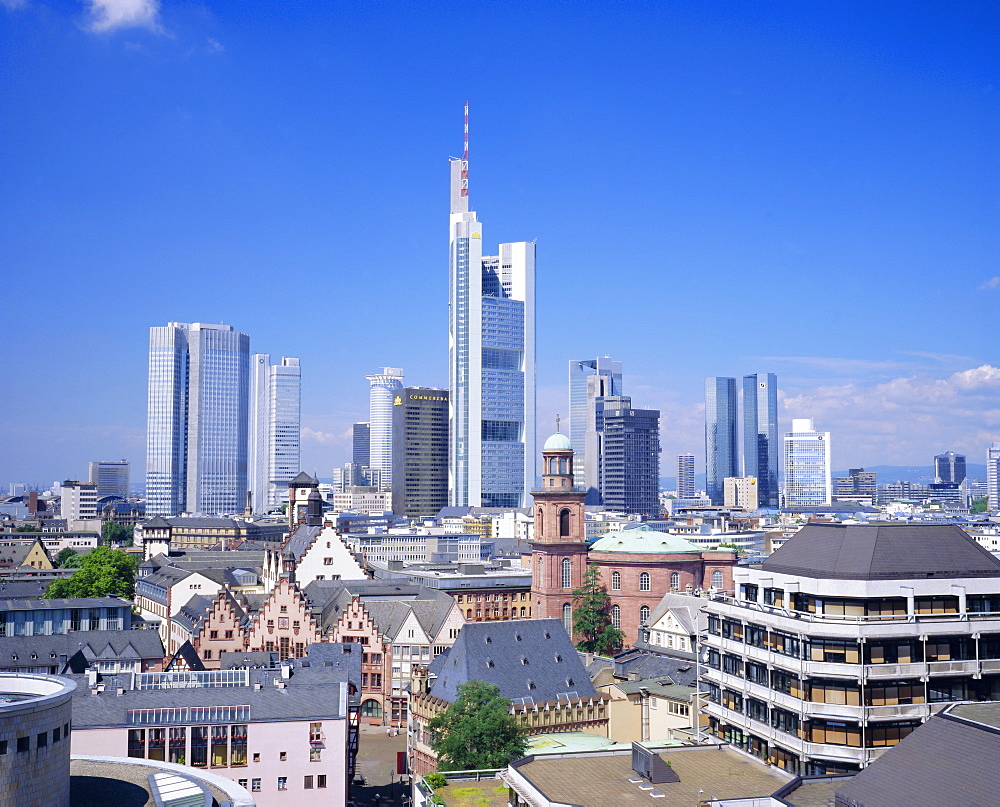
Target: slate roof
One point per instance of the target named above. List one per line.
(24, 589)
(529, 658)
(231, 660)
(882, 552)
(948, 760)
(193, 612)
(679, 671)
(187, 654)
(78, 602)
(304, 479)
(299, 541)
(99, 645)
(685, 609)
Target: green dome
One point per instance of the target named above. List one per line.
(558, 442)
(642, 539)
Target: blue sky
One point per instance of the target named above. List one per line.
(716, 189)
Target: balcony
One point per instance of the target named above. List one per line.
(884, 671)
(904, 711)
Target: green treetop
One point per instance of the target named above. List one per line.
(477, 730)
(103, 572)
(592, 617)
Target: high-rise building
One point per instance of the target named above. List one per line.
(993, 476)
(111, 478)
(197, 426)
(685, 476)
(491, 352)
(590, 382)
(859, 483)
(419, 452)
(275, 415)
(722, 457)
(807, 466)
(949, 468)
(630, 476)
(384, 386)
(77, 501)
(361, 444)
(760, 434)
(741, 492)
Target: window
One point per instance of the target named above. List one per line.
(321, 780)
(644, 615)
(242, 782)
(199, 746)
(563, 523)
(567, 573)
(307, 783)
(238, 745)
(616, 616)
(568, 618)
(177, 743)
(255, 785)
(136, 743)
(675, 581)
(220, 746)
(616, 581)
(282, 756)
(282, 783)
(315, 754)
(644, 581)
(24, 744)
(717, 579)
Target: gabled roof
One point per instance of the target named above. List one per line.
(186, 657)
(529, 658)
(88, 645)
(157, 522)
(299, 541)
(882, 552)
(684, 608)
(303, 479)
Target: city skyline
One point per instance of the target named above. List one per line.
(780, 148)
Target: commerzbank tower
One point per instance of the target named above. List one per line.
(491, 353)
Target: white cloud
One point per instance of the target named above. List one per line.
(12, 4)
(112, 15)
(215, 46)
(991, 284)
(325, 438)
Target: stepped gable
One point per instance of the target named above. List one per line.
(882, 552)
(530, 658)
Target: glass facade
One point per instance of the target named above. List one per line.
(760, 435)
(275, 406)
(630, 465)
(807, 466)
(384, 386)
(721, 453)
(420, 452)
(590, 381)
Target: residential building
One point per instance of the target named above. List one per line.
(993, 475)
(384, 387)
(111, 478)
(419, 451)
(846, 638)
(491, 358)
(590, 382)
(78, 502)
(361, 444)
(741, 492)
(197, 429)
(275, 409)
(807, 466)
(630, 457)
(761, 448)
(202, 532)
(17, 553)
(721, 451)
(685, 476)
(108, 651)
(949, 468)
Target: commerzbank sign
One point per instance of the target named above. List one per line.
(399, 401)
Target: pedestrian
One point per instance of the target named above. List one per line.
(395, 732)
(388, 731)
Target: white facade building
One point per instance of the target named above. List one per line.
(685, 476)
(807, 466)
(993, 476)
(275, 421)
(384, 385)
(197, 427)
(491, 351)
(78, 501)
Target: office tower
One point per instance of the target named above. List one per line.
(807, 466)
(111, 478)
(949, 468)
(859, 483)
(420, 452)
(993, 476)
(361, 444)
(760, 434)
(275, 407)
(630, 477)
(741, 492)
(384, 386)
(590, 382)
(685, 476)
(491, 358)
(721, 454)
(196, 445)
(77, 501)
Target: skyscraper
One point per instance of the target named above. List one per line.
(630, 467)
(993, 476)
(590, 382)
(685, 476)
(275, 406)
(807, 466)
(949, 468)
(360, 444)
(111, 478)
(760, 435)
(491, 353)
(384, 386)
(721, 452)
(197, 426)
(419, 451)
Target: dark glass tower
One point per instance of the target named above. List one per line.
(361, 444)
(950, 468)
(721, 452)
(419, 451)
(760, 435)
(630, 467)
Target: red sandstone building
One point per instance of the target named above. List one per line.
(638, 566)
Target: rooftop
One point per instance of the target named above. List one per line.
(642, 539)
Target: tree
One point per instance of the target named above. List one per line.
(978, 505)
(115, 533)
(477, 730)
(104, 572)
(65, 558)
(592, 616)
(28, 528)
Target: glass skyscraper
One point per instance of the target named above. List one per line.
(721, 453)
(275, 407)
(384, 386)
(491, 351)
(197, 426)
(590, 382)
(685, 476)
(630, 464)
(807, 466)
(760, 435)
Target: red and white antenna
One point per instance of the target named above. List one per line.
(465, 155)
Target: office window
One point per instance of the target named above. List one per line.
(321, 780)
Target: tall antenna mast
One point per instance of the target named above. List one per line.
(465, 155)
